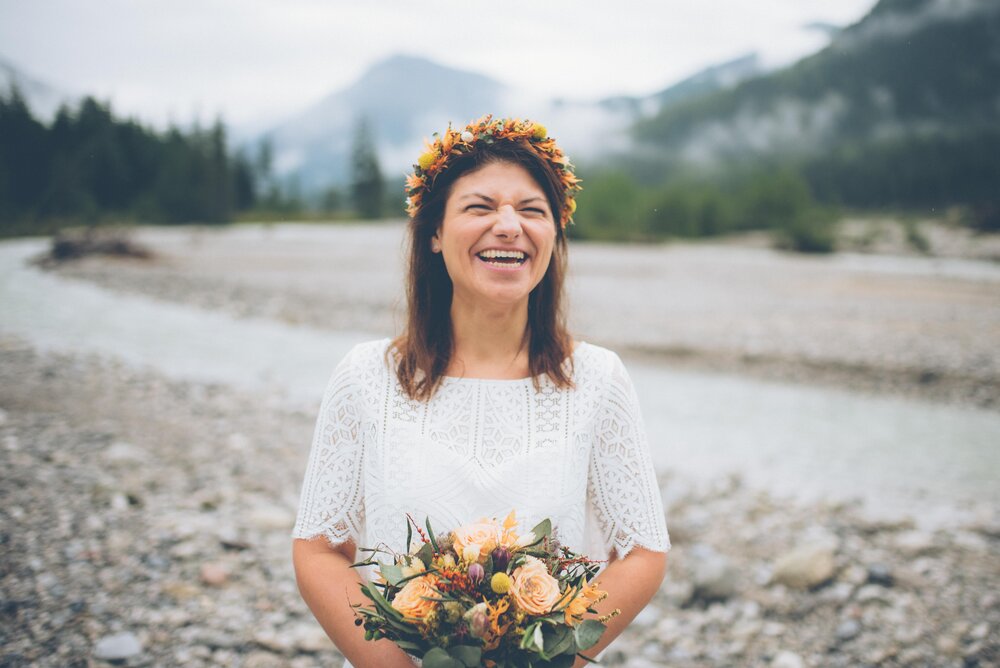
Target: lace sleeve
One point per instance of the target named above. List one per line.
(622, 492)
(332, 501)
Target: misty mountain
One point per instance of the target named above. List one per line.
(909, 70)
(43, 98)
(403, 98)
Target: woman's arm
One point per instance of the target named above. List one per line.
(329, 586)
(631, 583)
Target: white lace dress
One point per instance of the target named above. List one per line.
(481, 448)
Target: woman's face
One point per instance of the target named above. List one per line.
(497, 235)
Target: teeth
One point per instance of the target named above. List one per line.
(490, 254)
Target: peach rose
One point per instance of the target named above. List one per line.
(533, 589)
(475, 541)
(409, 600)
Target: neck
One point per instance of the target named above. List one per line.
(490, 340)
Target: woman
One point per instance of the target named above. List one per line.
(484, 404)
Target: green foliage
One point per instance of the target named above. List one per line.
(613, 207)
(608, 208)
(367, 186)
(88, 166)
(912, 117)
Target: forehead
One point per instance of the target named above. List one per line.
(498, 179)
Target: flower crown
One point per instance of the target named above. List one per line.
(458, 142)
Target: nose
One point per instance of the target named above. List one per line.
(508, 224)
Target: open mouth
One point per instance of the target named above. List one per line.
(503, 258)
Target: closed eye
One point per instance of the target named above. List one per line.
(480, 207)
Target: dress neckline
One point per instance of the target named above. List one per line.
(506, 381)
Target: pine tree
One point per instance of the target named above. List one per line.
(366, 175)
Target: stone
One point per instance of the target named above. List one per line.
(214, 574)
(980, 631)
(117, 647)
(847, 630)
(310, 637)
(806, 567)
(271, 518)
(914, 543)
(714, 576)
(786, 659)
(872, 594)
(880, 574)
(261, 659)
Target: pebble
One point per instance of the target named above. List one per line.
(715, 578)
(117, 647)
(847, 630)
(786, 659)
(880, 574)
(214, 574)
(805, 567)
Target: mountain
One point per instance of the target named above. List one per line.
(42, 98)
(403, 98)
(909, 69)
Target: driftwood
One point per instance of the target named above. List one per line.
(75, 244)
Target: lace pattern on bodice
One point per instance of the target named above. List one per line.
(479, 448)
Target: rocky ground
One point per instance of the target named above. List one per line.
(145, 522)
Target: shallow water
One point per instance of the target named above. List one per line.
(901, 456)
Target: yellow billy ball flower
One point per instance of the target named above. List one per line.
(539, 132)
(500, 583)
(427, 159)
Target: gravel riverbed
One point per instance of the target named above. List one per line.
(145, 522)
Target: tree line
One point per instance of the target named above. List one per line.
(86, 165)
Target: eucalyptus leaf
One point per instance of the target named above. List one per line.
(468, 655)
(409, 535)
(438, 658)
(392, 574)
(426, 554)
(558, 640)
(562, 661)
(542, 530)
(588, 633)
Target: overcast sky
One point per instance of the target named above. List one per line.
(254, 61)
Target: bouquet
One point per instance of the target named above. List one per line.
(484, 595)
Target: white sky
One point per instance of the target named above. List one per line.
(255, 61)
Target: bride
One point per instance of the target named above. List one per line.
(484, 404)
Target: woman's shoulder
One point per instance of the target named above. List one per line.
(592, 358)
(363, 359)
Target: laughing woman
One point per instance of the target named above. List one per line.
(485, 403)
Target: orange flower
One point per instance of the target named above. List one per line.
(412, 599)
(533, 589)
(584, 598)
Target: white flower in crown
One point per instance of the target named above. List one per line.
(467, 137)
(408, 202)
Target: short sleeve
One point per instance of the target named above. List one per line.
(332, 500)
(622, 493)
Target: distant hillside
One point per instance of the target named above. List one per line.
(910, 65)
(403, 98)
(913, 75)
(43, 98)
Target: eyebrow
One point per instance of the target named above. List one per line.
(492, 201)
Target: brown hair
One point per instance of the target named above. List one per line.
(424, 349)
